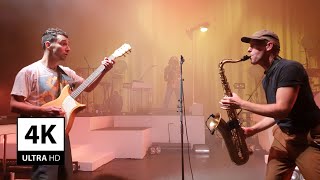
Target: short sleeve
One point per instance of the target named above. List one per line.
(291, 75)
(21, 83)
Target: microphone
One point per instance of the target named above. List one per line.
(182, 59)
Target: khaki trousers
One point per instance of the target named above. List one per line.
(290, 150)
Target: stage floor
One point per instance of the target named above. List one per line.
(167, 166)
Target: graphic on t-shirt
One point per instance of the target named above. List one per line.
(49, 88)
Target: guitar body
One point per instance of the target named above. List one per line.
(69, 105)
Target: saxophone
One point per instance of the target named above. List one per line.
(231, 130)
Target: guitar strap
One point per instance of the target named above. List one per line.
(61, 72)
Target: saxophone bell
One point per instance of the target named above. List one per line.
(213, 122)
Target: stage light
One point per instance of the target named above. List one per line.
(296, 175)
(152, 150)
(201, 148)
(155, 150)
(203, 29)
(158, 149)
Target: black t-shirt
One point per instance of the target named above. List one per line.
(288, 73)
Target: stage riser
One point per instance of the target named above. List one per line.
(93, 148)
(11, 152)
(122, 137)
(90, 158)
(124, 143)
(166, 129)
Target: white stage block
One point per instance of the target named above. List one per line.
(125, 142)
(196, 109)
(10, 131)
(166, 129)
(89, 158)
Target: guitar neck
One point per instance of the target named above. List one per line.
(89, 80)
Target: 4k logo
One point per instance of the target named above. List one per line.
(40, 141)
(32, 134)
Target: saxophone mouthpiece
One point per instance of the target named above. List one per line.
(246, 57)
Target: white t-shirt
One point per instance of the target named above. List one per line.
(39, 84)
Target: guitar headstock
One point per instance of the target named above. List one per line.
(124, 49)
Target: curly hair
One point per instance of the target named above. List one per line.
(173, 61)
(51, 35)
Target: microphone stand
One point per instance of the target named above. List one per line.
(180, 109)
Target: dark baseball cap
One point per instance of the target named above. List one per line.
(262, 35)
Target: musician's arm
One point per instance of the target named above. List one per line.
(20, 106)
(262, 125)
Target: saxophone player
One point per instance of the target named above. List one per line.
(290, 105)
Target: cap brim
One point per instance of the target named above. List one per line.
(246, 39)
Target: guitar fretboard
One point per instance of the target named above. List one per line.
(89, 80)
